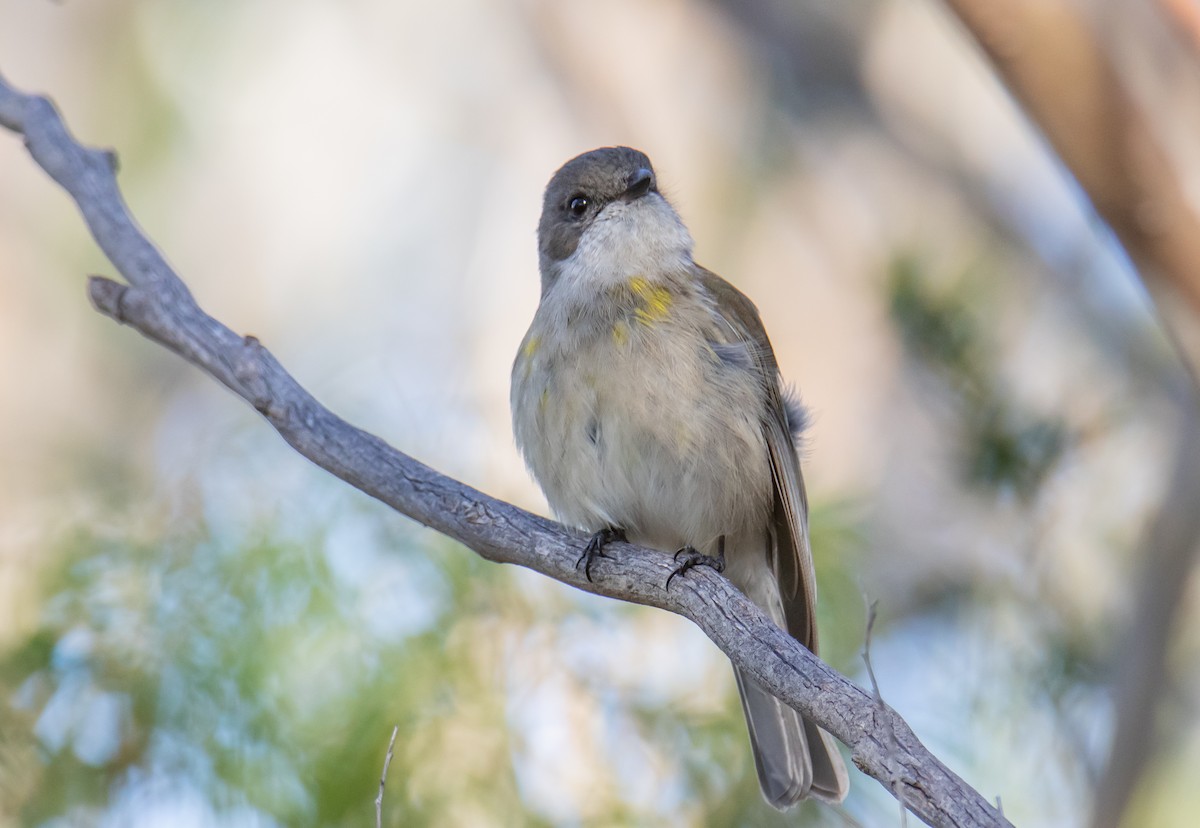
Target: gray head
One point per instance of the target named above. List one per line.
(603, 215)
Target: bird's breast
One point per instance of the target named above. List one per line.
(629, 417)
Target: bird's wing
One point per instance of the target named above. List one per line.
(791, 556)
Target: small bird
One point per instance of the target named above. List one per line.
(647, 402)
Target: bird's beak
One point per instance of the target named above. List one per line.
(641, 181)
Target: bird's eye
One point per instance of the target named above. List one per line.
(578, 205)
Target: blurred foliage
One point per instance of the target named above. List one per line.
(837, 533)
(242, 677)
(246, 671)
(1003, 446)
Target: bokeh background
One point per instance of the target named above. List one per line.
(198, 627)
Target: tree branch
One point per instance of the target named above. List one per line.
(1054, 65)
(158, 305)
(1142, 675)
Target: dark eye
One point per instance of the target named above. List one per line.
(578, 205)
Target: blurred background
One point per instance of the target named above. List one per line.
(198, 627)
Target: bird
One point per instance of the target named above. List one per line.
(648, 404)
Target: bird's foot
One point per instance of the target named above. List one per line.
(689, 557)
(595, 547)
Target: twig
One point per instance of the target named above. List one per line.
(158, 305)
(894, 784)
(387, 763)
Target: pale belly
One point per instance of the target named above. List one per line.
(658, 436)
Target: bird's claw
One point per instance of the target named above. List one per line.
(692, 557)
(595, 548)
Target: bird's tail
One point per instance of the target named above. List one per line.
(794, 758)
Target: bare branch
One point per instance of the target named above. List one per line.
(158, 305)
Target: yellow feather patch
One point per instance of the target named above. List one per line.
(656, 300)
(531, 346)
(527, 351)
(620, 334)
